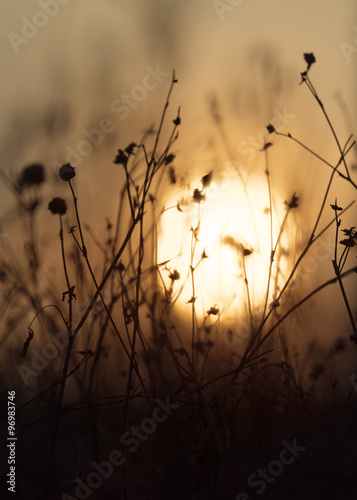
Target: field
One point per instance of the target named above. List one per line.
(201, 343)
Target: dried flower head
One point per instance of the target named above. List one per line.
(351, 241)
(266, 146)
(57, 206)
(274, 304)
(121, 158)
(213, 311)
(293, 203)
(353, 338)
(32, 175)
(207, 179)
(310, 59)
(67, 172)
(246, 251)
(130, 149)
(169, 158)
(335, 207)
(175, 275)
(172, 174)
(27, 342)
(177, 120)
(198, 196)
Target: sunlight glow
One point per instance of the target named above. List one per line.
(232, 222)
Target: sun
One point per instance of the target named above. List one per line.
(225, 234)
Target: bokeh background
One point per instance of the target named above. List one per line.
(247, 57)
(238, 67)
(67, 68)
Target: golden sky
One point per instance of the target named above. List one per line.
(67, 63)
(89, 50)
(67, 67)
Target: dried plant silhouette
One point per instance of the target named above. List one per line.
(109, 350)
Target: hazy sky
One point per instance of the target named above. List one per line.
(62, 71)
(90, 50)
(67, 65)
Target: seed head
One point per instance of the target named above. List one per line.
(67, 172)
(32, 175)
(57, 206)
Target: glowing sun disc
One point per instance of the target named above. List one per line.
(234, 232)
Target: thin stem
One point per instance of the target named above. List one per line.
(311, 87)
(243, 363)
(85, 255)
(128, 181)
(289, 136)
(107, 275)
(343, 258)
(272, 250)
(247, 291)
(302, 301)
(193, 299)
(121, 197)
(173, 81)
(338, 269)
(331, 222)
(68, 324)
(311, 240)
(345, 299)
(336, 232)
(45, 307)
